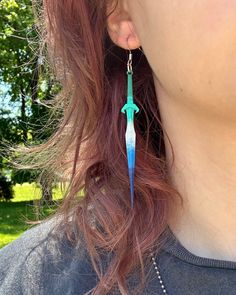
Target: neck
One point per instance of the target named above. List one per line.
(204, 173)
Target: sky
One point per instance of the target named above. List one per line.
(5, 102)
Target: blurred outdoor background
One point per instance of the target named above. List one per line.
(25, 88)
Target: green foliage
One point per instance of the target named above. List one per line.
(24, 69)
(16, 31)
(31, 86)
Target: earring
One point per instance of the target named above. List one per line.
(130, 135)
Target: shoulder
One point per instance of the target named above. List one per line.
(43, 261)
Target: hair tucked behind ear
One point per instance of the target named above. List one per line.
(88, 148)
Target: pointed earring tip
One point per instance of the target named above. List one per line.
(132, 198)
(132, 204)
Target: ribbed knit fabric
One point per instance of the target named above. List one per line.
(175, 248)
(184, 273)
(40, 263)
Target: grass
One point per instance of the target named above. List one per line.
(30, 191)
(13, 214)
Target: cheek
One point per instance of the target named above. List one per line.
(192, 50)
(217, 13)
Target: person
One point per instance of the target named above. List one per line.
(179, 236)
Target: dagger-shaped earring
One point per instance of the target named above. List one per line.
(130, 136)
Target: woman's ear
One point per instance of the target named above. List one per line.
(120, 26)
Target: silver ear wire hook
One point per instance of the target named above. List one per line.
(129, 63)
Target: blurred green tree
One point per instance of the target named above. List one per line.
(24, 69)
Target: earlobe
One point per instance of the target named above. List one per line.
(121, 30)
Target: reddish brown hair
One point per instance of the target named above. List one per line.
(88, 148)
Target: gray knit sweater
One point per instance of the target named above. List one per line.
(38, 263)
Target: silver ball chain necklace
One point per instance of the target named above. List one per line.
(158, 275)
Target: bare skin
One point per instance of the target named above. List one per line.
(191, 47)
